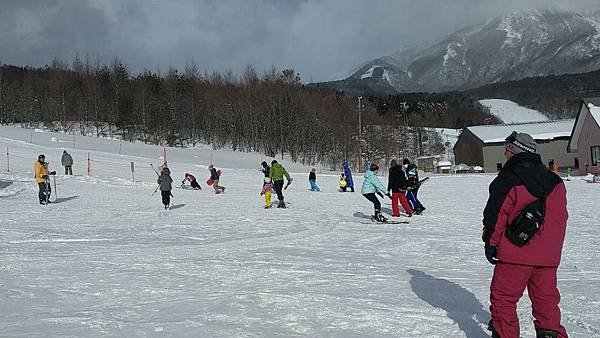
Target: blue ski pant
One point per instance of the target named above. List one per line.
(314, 186)
(413, 200)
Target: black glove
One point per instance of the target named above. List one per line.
(389, 195)
(380, 194)
(490, 254)
(52, 173)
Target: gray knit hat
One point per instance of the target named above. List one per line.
(520, 142)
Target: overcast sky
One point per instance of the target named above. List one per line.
(316, 37)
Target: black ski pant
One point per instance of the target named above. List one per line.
(195, 185)
(279, 189)
(166, 197)
(44, 189)
(371, 197)
(68, 170)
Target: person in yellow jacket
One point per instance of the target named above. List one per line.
(41, 177)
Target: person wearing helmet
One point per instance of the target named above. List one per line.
(371, 186)
(41, 177)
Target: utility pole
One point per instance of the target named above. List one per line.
(359, 134)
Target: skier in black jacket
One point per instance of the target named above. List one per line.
(397, 184)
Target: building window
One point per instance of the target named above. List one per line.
(498, 166)
(595, 155)
(576, 162)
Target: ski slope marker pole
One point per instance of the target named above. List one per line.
(55, 192)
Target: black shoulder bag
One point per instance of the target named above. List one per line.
(528, 222)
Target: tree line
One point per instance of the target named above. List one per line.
(272, 113)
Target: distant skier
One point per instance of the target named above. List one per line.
(343, 183)
(397, 184)
(553, 166)
(215, 175)
(348, 175)
(192, 179)
(371, 186)
(42, 178)
(67, 162)
(266, 191)
(312, 179)
(412, 174)
(276, 174)
(165, 180)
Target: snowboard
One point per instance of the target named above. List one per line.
(389, 221)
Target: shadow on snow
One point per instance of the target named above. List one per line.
(459, 303)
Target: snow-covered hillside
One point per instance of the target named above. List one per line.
(510, 47)
(106, 260)
(511, 112)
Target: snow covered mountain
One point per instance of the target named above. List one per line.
(512, 47)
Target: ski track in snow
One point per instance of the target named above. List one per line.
(107, 260)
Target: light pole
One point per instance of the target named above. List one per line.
(359, 134)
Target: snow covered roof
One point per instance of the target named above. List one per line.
(444, 164)
(541, 130)
(589, 106)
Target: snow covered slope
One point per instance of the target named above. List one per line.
(511, 112)
(105, 260)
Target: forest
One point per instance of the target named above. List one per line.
(272, 112)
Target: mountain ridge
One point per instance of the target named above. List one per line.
(506, 48)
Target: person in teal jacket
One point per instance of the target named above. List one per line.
(371, 186)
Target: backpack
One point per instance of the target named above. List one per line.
(528, 222)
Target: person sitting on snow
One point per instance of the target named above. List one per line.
(343, 183)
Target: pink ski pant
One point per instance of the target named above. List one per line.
(509, 283)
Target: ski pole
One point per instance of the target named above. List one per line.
(152, 165)
(155, 190)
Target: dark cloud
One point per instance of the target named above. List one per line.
(316, 37)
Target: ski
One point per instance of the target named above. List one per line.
(388, 222)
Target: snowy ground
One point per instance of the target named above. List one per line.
(511, 112)
(106, 260)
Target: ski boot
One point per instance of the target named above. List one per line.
(543, 333)
(378, 217)
(167, 207)
(281, 204)
(491, 328)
